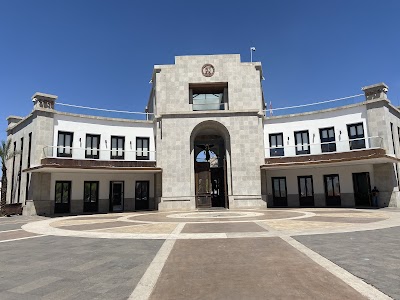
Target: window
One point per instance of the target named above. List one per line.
(208, 96)
(356, 136)
(91, 193)
(117, 147)
(63, 189)
(327, 139)
(302, 142)
(276, 145)
(92, 146)
(64, 144)
(279, 192)
(142, 148)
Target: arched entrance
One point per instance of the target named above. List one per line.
(209, 141)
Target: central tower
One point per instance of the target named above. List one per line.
(210, 105)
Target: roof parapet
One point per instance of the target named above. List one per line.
(375, 91)
(43, 101)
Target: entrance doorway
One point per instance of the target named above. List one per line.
(62, 197)
(332, 190)
(141, 195)
(362, 189)
(116, 196)
(306, 190)
(91, 196)
(210, 171)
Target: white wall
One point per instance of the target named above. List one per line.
(106, 128)
(338, 118)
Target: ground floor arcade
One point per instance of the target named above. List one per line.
(331, 185)
(78, 192)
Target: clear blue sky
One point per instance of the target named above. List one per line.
(101, 53)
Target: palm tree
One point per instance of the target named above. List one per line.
(5, 154)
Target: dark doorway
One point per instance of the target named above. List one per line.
(279, 191)
(62, 197)
(362, 189)
(306, 190)
(141, 195)
(91, 196)
(116, 196)
(332, 190)
(210, 171)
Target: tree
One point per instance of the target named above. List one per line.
(5, 155)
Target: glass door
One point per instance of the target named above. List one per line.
(117, 196)
(306, 191)
(91, 196)
(62, 197)
(142, 195)
(362, 189)
(332, 190)
(279, 191)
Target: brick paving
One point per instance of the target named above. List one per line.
(227, 258)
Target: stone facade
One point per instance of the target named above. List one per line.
(240, 124)
(174, 128)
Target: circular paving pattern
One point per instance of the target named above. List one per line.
(214, 215)
(216, 224)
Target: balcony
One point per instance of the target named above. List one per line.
(70, 159)
(98, 154)
(370, 148)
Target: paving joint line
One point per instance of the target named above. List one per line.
(149, 279)
(356, 283)
(23, 238)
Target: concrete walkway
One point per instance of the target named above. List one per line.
(224, 254)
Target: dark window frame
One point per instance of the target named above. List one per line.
(360, 138)
(327, 144)
(299, 152)
(62, 191)
(84, 191)
(143, 157)
(327, 197)
(117, 137)
(306, 200)
(91, 155)
(208, 89)
(63, 146)
(277, 151)
(279, 200)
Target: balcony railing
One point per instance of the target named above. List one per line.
(98, 154)
(322, 148)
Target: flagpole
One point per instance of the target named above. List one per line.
(251, 53)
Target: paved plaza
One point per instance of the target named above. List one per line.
(221, 254)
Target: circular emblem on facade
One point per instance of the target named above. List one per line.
(208, 70)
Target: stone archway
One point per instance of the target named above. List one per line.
(210, 149)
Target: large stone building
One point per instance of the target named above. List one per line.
(206, 142)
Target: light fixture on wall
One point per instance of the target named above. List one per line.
(80, 142)
(105, 141)
(131, 144)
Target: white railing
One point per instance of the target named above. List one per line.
(98, 154)
(323, 148)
